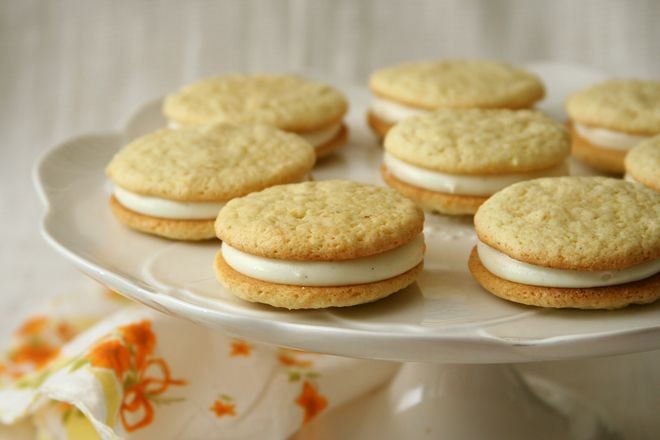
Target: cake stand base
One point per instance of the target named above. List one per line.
(462, 402)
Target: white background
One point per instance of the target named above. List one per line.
(70, 67)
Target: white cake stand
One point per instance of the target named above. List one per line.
(457, 339)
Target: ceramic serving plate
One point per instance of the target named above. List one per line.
(444, 317)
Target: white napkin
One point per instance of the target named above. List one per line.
(94, 365)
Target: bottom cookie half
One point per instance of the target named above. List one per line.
(452, 204)
(379, 126)
(304, 297)
(333, 144)
(602, 159)
(193, 230)
(611, 297)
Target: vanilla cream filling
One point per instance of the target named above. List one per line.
(602, 137)
(321, 137)
(164, 208)
(463, 184)
(316, 138)
(327, 273)
(518, 271)
(392, 111)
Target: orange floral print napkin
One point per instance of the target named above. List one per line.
(98, 366)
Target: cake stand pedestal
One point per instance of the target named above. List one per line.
(463, 401)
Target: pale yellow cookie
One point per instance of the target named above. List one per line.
(317, 221)
(575, 223)
(577, 242)
(450, 161)
(284, 101)
(629, 106)
(476, 141)
(643, 163)
(215, 162)
(458, 84)
(332, 243)
(172, 183)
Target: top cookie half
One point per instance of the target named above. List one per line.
(319, 221)
(631, 106)
(576, 223)
(458, 84)
(214, 162)
(477, 141)
(284, 101)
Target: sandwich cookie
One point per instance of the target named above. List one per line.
(578, 242)
(643, 163)
(610, 118)
(310, 245)
(173, 183)
(309, 109)
(414, 88)
(451, 161)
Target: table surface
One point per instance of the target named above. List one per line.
(71, 67)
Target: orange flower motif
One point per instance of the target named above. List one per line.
(222, 409)
(311, 401)
(32, 326)
(291, 361)
(240, 348)
(38, 354)
(111, 354)
(65, 331)
(136, 396)
(142, 338)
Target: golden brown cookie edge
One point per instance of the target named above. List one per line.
(308, 297)
(643, 291)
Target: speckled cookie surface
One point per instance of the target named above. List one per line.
(611, 297)
(326, 220)
(456, 141)
(607, 160)
(303, 297)
(192, 230)
(631, 106)
(458, 84)
(643, 163)
(434, 201)
(285, 101)
(210, 162)
(578, 223)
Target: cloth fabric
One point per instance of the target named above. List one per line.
(94, 365)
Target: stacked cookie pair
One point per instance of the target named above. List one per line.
(227, 137)
(413, 89)
(455, 132)
(543, 240)
(577, 242)
(608, 119)
(312, 110)
(236, 146)
(452, 140)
